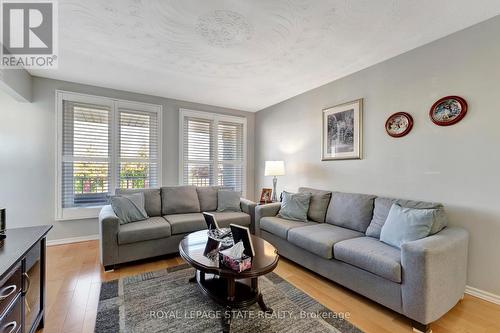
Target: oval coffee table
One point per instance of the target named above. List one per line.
(227, 287)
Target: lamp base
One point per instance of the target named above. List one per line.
(274, 197)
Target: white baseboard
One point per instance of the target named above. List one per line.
(71, 240)
(487, 296)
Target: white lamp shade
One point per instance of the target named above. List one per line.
(274, 168)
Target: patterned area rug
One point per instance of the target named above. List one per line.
(164, 301)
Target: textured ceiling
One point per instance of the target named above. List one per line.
(243, 54)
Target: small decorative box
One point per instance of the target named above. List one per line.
(238, 265)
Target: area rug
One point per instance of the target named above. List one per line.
(164, 301)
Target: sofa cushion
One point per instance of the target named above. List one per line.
(350, 210)
(185, 223)
(179, 200)
(279, 226)
(370, 255)
(152, 199)
(152, 228)
(383, 206)
(224, 219)
(207, 196)
(320, 238)
(318, 205)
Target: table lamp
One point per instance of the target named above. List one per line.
(274, 168)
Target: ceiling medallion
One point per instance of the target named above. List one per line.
(224, 28)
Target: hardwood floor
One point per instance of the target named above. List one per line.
(74, 275)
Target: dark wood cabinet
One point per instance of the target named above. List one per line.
(22, 279)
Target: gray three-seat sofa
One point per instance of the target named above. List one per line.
(173, 212)
(423, 280)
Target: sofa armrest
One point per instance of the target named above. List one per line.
(248, 206)
(434, 274)
(109, 225)
(261, 211)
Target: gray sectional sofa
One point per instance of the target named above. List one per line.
(423, 280)
(173, 212)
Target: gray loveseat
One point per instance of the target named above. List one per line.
(173, 212)
(422, 281)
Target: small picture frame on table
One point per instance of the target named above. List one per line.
(2, 223)
(265, 195)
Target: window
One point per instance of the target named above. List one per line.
(213, 150)
(103, 144)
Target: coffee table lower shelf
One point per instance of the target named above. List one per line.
(230, 293)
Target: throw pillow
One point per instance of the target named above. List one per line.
(294, 206)
(228, 201)
(129, 208)
(383, 206)
(406, 224)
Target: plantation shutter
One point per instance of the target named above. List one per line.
(198, 152)
(138, 149)
(86, 154)
(230, 148)
(213, 151)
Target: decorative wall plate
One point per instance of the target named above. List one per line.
(399, 124)
(448, 110)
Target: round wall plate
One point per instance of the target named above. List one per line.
(399, 124)
(448, 110)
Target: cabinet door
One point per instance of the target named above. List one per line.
(32, 287)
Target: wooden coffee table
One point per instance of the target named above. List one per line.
(231, 289)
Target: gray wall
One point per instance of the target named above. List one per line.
(457, 165)
(17, 83)
(27, 153)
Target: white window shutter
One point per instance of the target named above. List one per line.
(213, 150)
(86, 154)
(198, 152)
(230, 148)
(138, 149)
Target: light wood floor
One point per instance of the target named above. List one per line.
(74, 275)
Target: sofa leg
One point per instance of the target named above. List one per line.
(109, 268)
(420, 328)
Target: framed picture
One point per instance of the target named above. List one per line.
(399, 124)
(265, 195)
(342, 127)
(448, 110)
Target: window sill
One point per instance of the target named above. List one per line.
(80, 213)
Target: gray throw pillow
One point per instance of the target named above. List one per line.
(294, 206)
(129, 208)
(152, 198)
(228, 201)
(406, 224)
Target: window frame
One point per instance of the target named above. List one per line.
(216, 118)
(77, 213)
